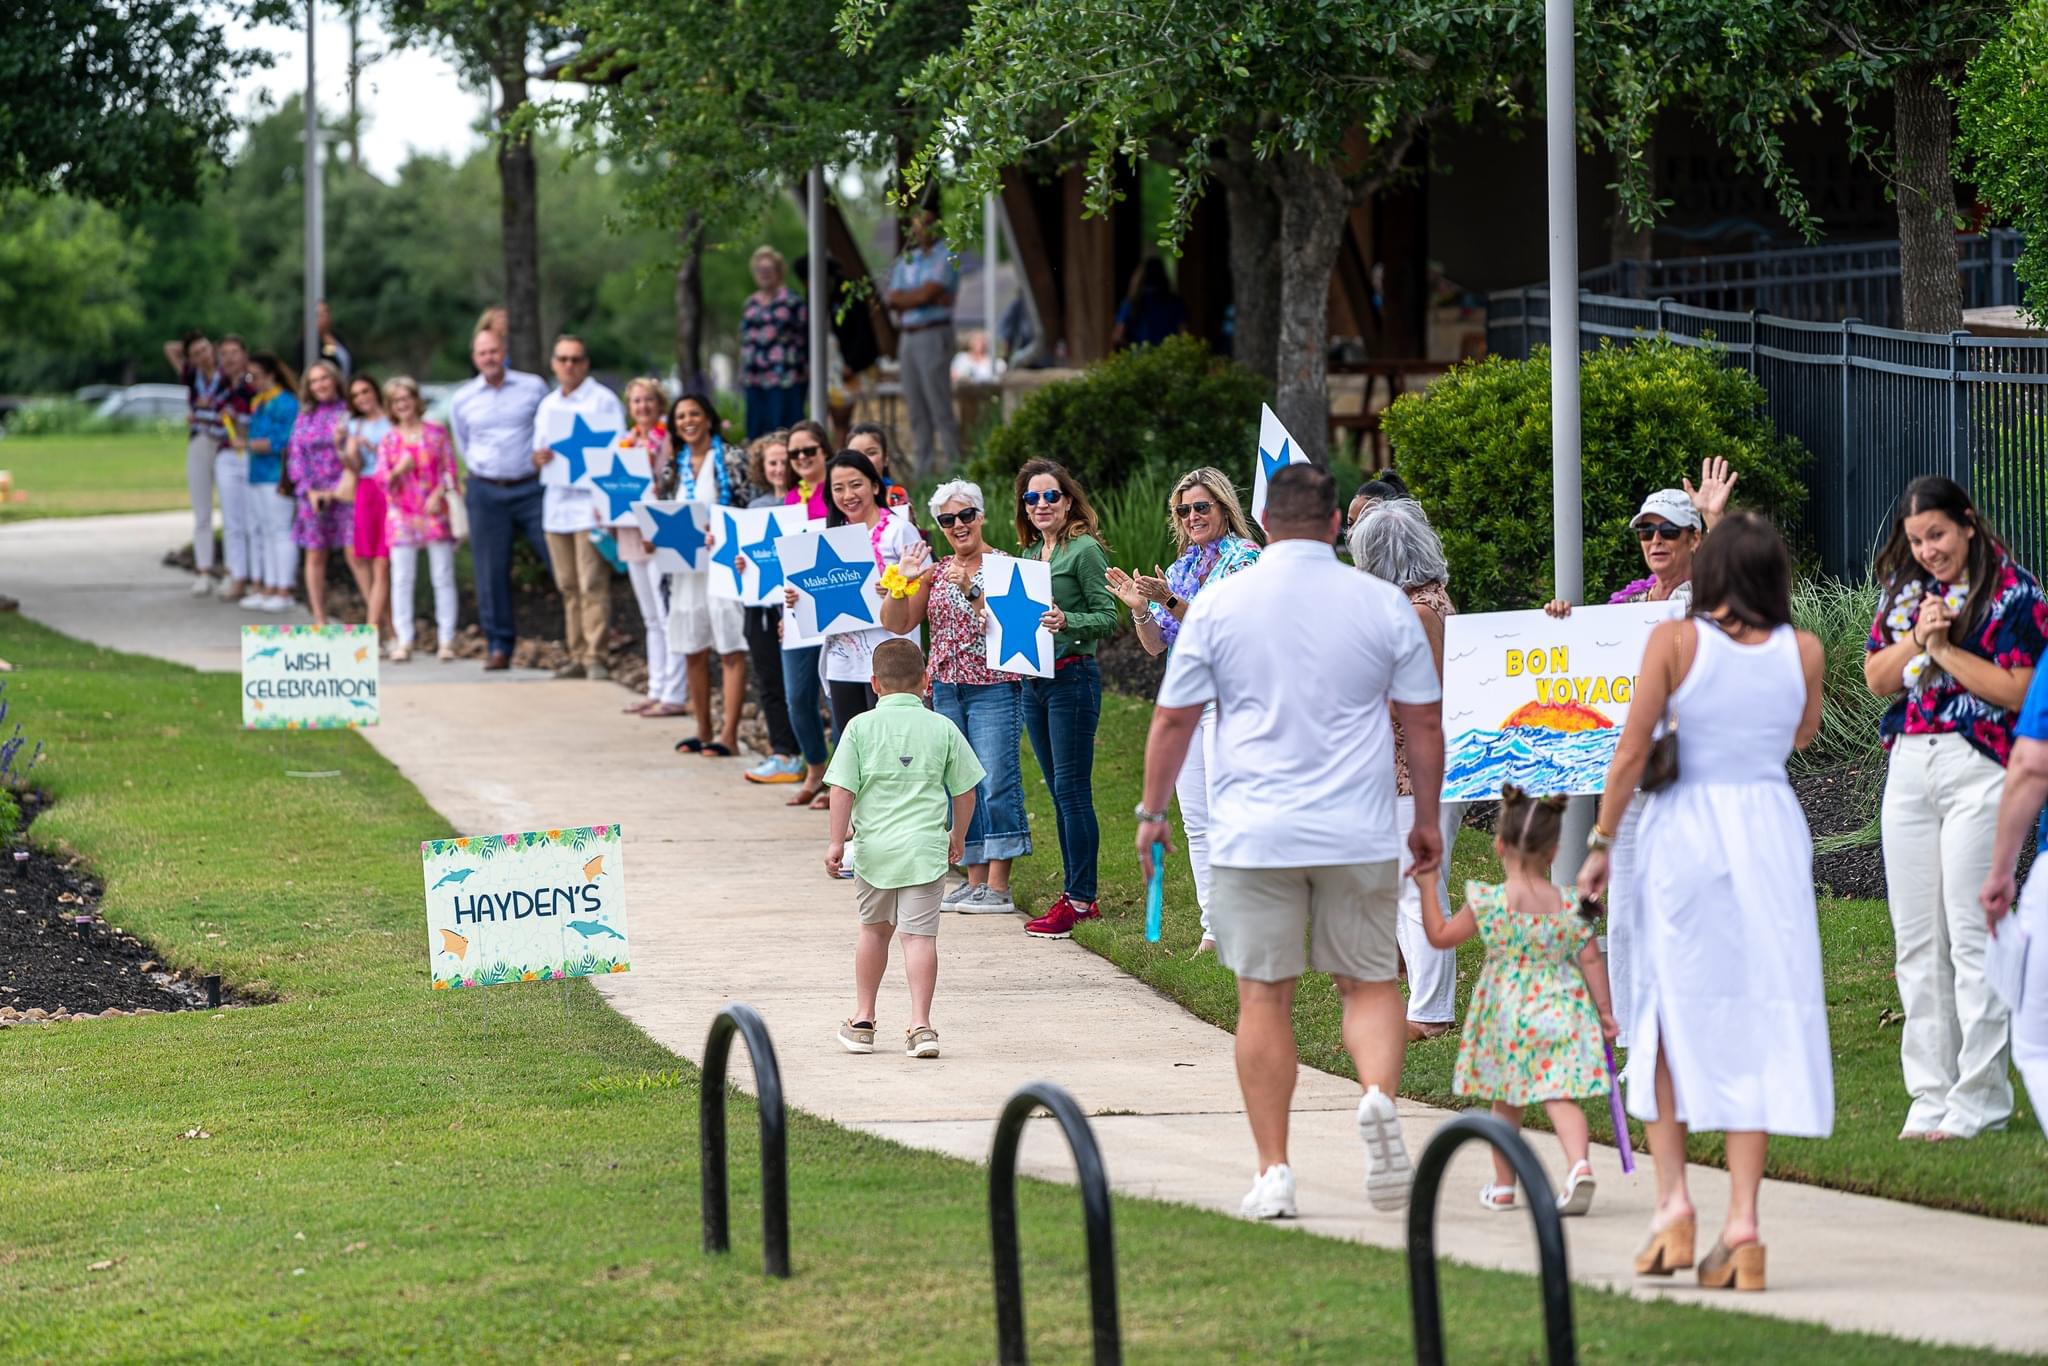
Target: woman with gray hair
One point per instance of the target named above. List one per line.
(1394, 541)
(987, 705)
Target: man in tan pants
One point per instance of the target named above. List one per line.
(575, 423)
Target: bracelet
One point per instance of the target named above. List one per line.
(897, 586)
(1148, 817)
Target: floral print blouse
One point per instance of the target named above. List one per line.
(2013, 634)
(313, 461)
(1197, 565)
(774, 341)
(959, 644)
(407, 522)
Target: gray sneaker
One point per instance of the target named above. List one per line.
(598, 673)
(987, 901)
(951, 900)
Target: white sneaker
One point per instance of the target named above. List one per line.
(1388, 1174)
(202, 586)
(1271, 1195)
(279, 602)
(987, 901)
(255, 602)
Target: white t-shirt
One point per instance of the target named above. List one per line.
(1301, 655)
(850, 655)
(574, 509)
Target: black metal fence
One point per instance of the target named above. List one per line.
(1873, 406)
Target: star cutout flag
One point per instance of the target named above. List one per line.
(745, 565)
(572, 462)
(627, 479)
(1277, 450)
(1019, 596)
(675, 532)
(834, 574)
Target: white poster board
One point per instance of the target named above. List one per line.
(745, 566)
(1019, 593)
(674, 531)
(1277, 450)
(534, 906)
(579, 448)
(308, 677)
(835, 577)
(1539, 701)
(620, 478)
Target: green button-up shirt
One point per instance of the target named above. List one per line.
(1080, 588)
(903, 765)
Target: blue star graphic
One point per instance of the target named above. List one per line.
(622, 488)
(729, 551)
(1273, 464)
(676, 531)
(575, 448)
(761, 554)
(834, 587)
(1017, 616)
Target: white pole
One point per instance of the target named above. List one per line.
(820, 305)
(991, 253)
(316, 264)
(1560, 114)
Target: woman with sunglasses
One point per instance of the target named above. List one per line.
(802, 672)
(1056, 524)
(1215, 542)
(987, 705)
(1669, 527)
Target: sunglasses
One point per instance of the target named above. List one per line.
(964, 517)
(1664, 531)
(1197, 509)
(1048, 497)
(805, 452)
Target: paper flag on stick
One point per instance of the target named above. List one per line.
(1277, 450)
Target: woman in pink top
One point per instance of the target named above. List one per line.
(418, 469)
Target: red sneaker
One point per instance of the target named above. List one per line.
(1085, 910)
(1056, 923)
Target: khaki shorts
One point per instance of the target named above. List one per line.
(1347, 912)
(913, 910)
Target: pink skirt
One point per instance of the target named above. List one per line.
(370, 536)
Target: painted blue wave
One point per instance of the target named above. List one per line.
(1544, 761)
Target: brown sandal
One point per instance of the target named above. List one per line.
(1669, 1249)
(804, 795)
(1741, 1267)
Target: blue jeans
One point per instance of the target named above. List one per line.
(991, 716)
(496, 513)
(771, 410)
(1061, 713)
(800, 691)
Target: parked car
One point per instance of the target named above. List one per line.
(94, 393)
(144, 403)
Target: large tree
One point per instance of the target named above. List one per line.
(1309, 108)
(67, 284)
(2003, 105)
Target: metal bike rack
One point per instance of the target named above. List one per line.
(745, 1021)
(1424, 1301)
(1002, 1222)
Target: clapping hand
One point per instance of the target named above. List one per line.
(1125, 589)
(1153, 585)
(1717, 481)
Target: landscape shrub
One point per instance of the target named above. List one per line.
(1171, 407)
(1475, 448)
(1840, 614)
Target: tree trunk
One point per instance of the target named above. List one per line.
(518, 199)
(1930, 285)
(1254, 261)
(1625, 241)
(1313, 203)
(690, 304)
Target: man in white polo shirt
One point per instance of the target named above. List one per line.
(579, 408)
(1301, 656)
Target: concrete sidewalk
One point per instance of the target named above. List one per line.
(731, 904)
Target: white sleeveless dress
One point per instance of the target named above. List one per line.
(1730, 934)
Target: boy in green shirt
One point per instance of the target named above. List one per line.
(898, 769)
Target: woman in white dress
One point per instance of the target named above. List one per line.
(1731, 1028)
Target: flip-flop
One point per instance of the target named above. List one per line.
(716, 750)
(638, 708)
(654, 710)
(804, 796)
(689, 744)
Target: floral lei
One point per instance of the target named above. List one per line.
(1906, 611)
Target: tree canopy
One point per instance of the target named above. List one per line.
(2003, 109)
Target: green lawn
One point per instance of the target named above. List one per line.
(78, 476)
(394, 1172)
(1997, 1174)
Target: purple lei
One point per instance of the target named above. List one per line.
(1630, 593)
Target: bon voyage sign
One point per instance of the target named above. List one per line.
(534, 906)
(308, 677)
(1539, 701)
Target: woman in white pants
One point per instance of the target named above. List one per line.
(238, 526)
(1393, 540)
(273, 559)
(1215, 542)
(206, 394)
(1958, 634)
(420, 483)
(667, 692)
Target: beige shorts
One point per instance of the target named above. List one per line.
(698, 622)
(913, 910)
(1347, 913)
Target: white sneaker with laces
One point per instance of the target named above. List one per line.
(1388, 1174)
(1271, 1195)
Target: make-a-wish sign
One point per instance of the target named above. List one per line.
(308, 677)
(1019, 594)
(538, 906)
(1539, 701)
(834, 575)
(674, 531)
(620, 478)
(745, 566)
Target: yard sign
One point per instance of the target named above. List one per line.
(308, 677)
(537, 906)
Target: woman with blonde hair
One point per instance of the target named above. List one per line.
(1215, 542)
(323, 522)
(417, 465)
(647, 430)
(775, 347)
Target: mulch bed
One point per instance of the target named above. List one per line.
(59, 960)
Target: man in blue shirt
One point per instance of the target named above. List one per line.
(492, 422)
(2026, 789)
(921, 288)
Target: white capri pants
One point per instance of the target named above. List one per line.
(200, 452)
(237, 513)
(1191, 790)
(665, 674)
(1432, 972)
(274, 559)
(2030, 1025)
(405, 566)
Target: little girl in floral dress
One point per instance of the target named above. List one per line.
(1534, 1029)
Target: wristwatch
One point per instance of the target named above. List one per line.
(1148, 817)
(1172, 602)
(973, 592)
(1598, 839)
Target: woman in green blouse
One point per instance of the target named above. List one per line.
(1055, 522)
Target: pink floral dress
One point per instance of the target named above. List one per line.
(429, 465)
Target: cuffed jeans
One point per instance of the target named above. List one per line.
(764, 645)
(1432, 972)
(199, 462)
(1061, 714)
(1940, 814)
(991, 716)
(803, 693)
(405, 570)
(237, 513)
(497, 512)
